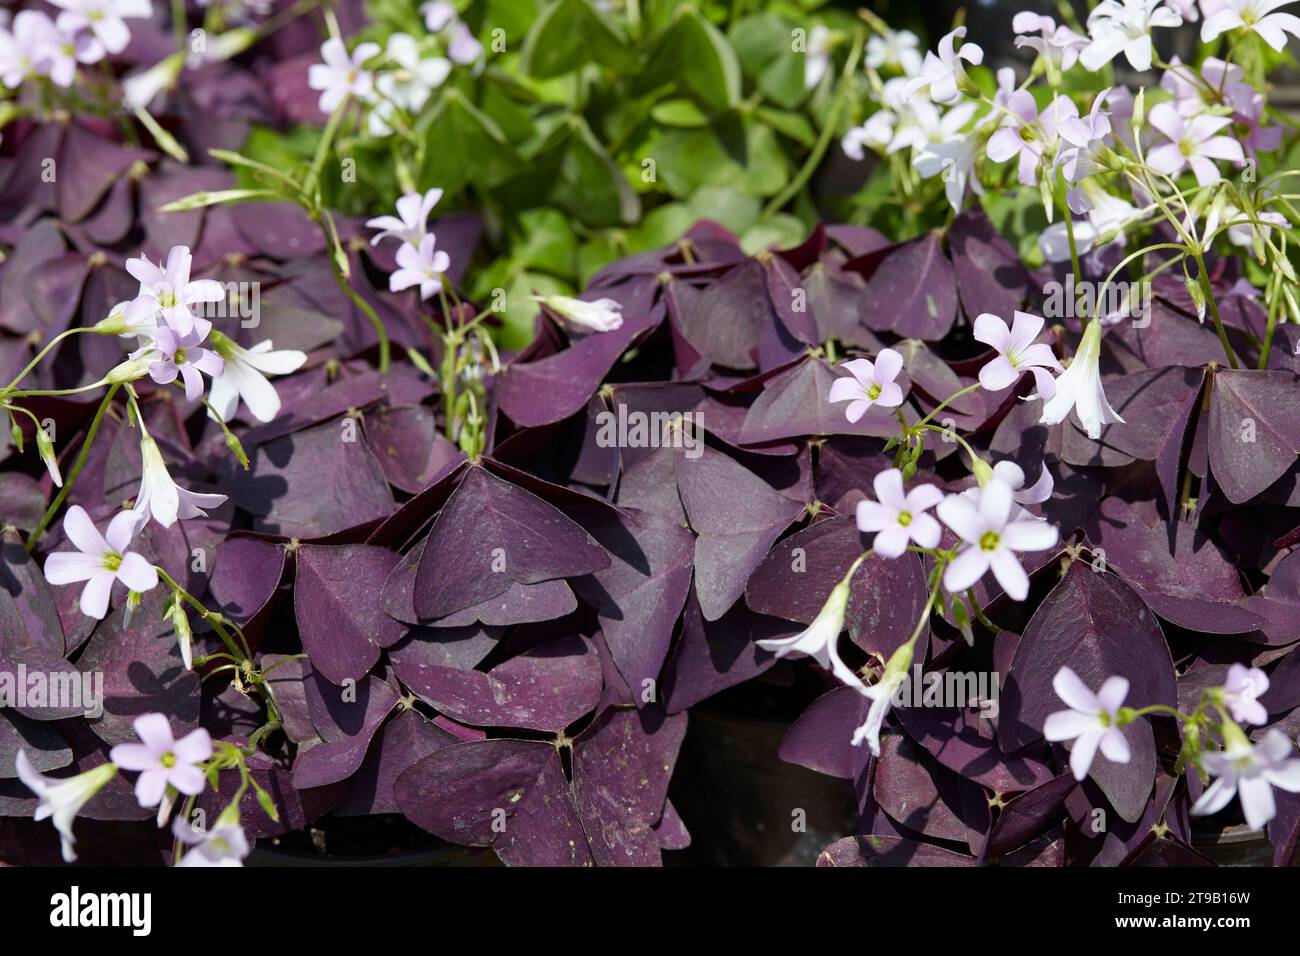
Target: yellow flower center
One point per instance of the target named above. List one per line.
(904, 518)
(989, 541)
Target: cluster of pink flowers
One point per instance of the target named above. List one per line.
(420, 264)
(168, 769)
(84, 32)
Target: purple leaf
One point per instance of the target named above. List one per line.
(459, 647)
(346, 719)
(546, 688)
(990, 276)
(711, 656)
(639, 597)
(621, 767)
(888, 851)
(1254, 436)
(401, 742)
(821, 739)
(336, 604)
(28, 617)
(963, 740)
(913, 294)
(408, 446)
(490, 533)
(507, 794)
(245, 575)
(926, 797)
(794, 403)
(311, 484)
(1194, 584)
(737, 516)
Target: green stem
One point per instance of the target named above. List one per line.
(948, 401)
(80, 463)
(828, 132)
(385, 349)
(1208, 291)
(41, 354)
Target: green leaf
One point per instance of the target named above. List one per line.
(794, 125)
(682, 113)
(779, 232)
(518, 317)
(735, 151)
(568, 35)
(465, 146)
(584, 181)
(693, 52)
(547, 244)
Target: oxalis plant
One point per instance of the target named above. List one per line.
(481, 589)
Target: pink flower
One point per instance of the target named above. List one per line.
(163, 761)
(1029, 135)
(1192, 144)
(1241, 692)
(1256, 15)
(340, 74)
(992, 534)
(940, 74)
(423, 267)
(412, 219)
(170, 293)
(1018, 352)
(869, 384)
(1058, 45)
(100, 560)
(223, 845)
(1250, 772)
(1091, 722)
(180, 355)
(897, 518)
(1014, 476)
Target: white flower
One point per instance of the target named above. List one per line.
(955, 161)
(1250, 772)
(463, 48)
(1018, 352)
(411, 222)
(817, 59)
(1192, 143)
(139, 89)
(408, 85)
(100, 560)
(941, 74)
(161, 497)
(1107, 217)
(881, 695)
(437, 14)
(103, 18)
(63, 798)
(1241, 692)
(869, 384)
(1083, 142)
(1080, 388)
(170, 293)
(601, 315)
(1256, 15)
(245, 377)
(818, 640)
(1124, 26)
(163, 761)
(423, 267)
(1029, 135)
(1059, 46)
(876, 132)
(992, 530)
(1014, 476)
(1091, 722)
(897, 518)
(223, 845)
(926, 125)
(895, 50)
(174, 355)
(38, 47)
(341, 75)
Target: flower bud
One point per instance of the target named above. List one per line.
(128, 371)
(184, 634)
(982, 471)
(1139, 111)
(45, 448)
